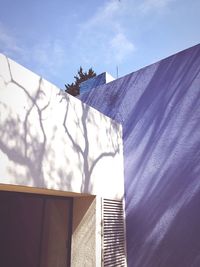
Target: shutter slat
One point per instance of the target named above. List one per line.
(113, 234)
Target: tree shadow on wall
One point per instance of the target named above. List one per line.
(17, 140)
(87, 162)
(158, 107)
(162, 184)
(24, 140)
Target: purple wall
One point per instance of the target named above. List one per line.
(92, 82)
(159, 108)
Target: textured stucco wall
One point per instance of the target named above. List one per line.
(49, 139)
(86, 239)
(159, 108)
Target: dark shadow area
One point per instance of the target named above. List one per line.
(35, 230)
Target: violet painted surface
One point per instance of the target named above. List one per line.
(93, 82)
(159, 108)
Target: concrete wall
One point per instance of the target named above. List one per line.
(51, 140)
(56, 228)
(86, 237)
(159, 108)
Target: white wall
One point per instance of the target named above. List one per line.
(49, 139)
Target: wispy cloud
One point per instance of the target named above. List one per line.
(8, 44)
(106, 37)
(104, 15)
(103, 34)
(147, 6)
(49, 55)
(46, 57)
(121, 46)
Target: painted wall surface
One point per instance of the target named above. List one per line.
(49, 139)
(86, 239)
(159, 108)
(98, 80)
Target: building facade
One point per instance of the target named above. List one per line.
(159, 109)
(137, 136)
(61, 176)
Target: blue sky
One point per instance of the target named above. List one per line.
(54, 37)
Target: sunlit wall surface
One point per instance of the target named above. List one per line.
(51, 140)
(159, 108)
